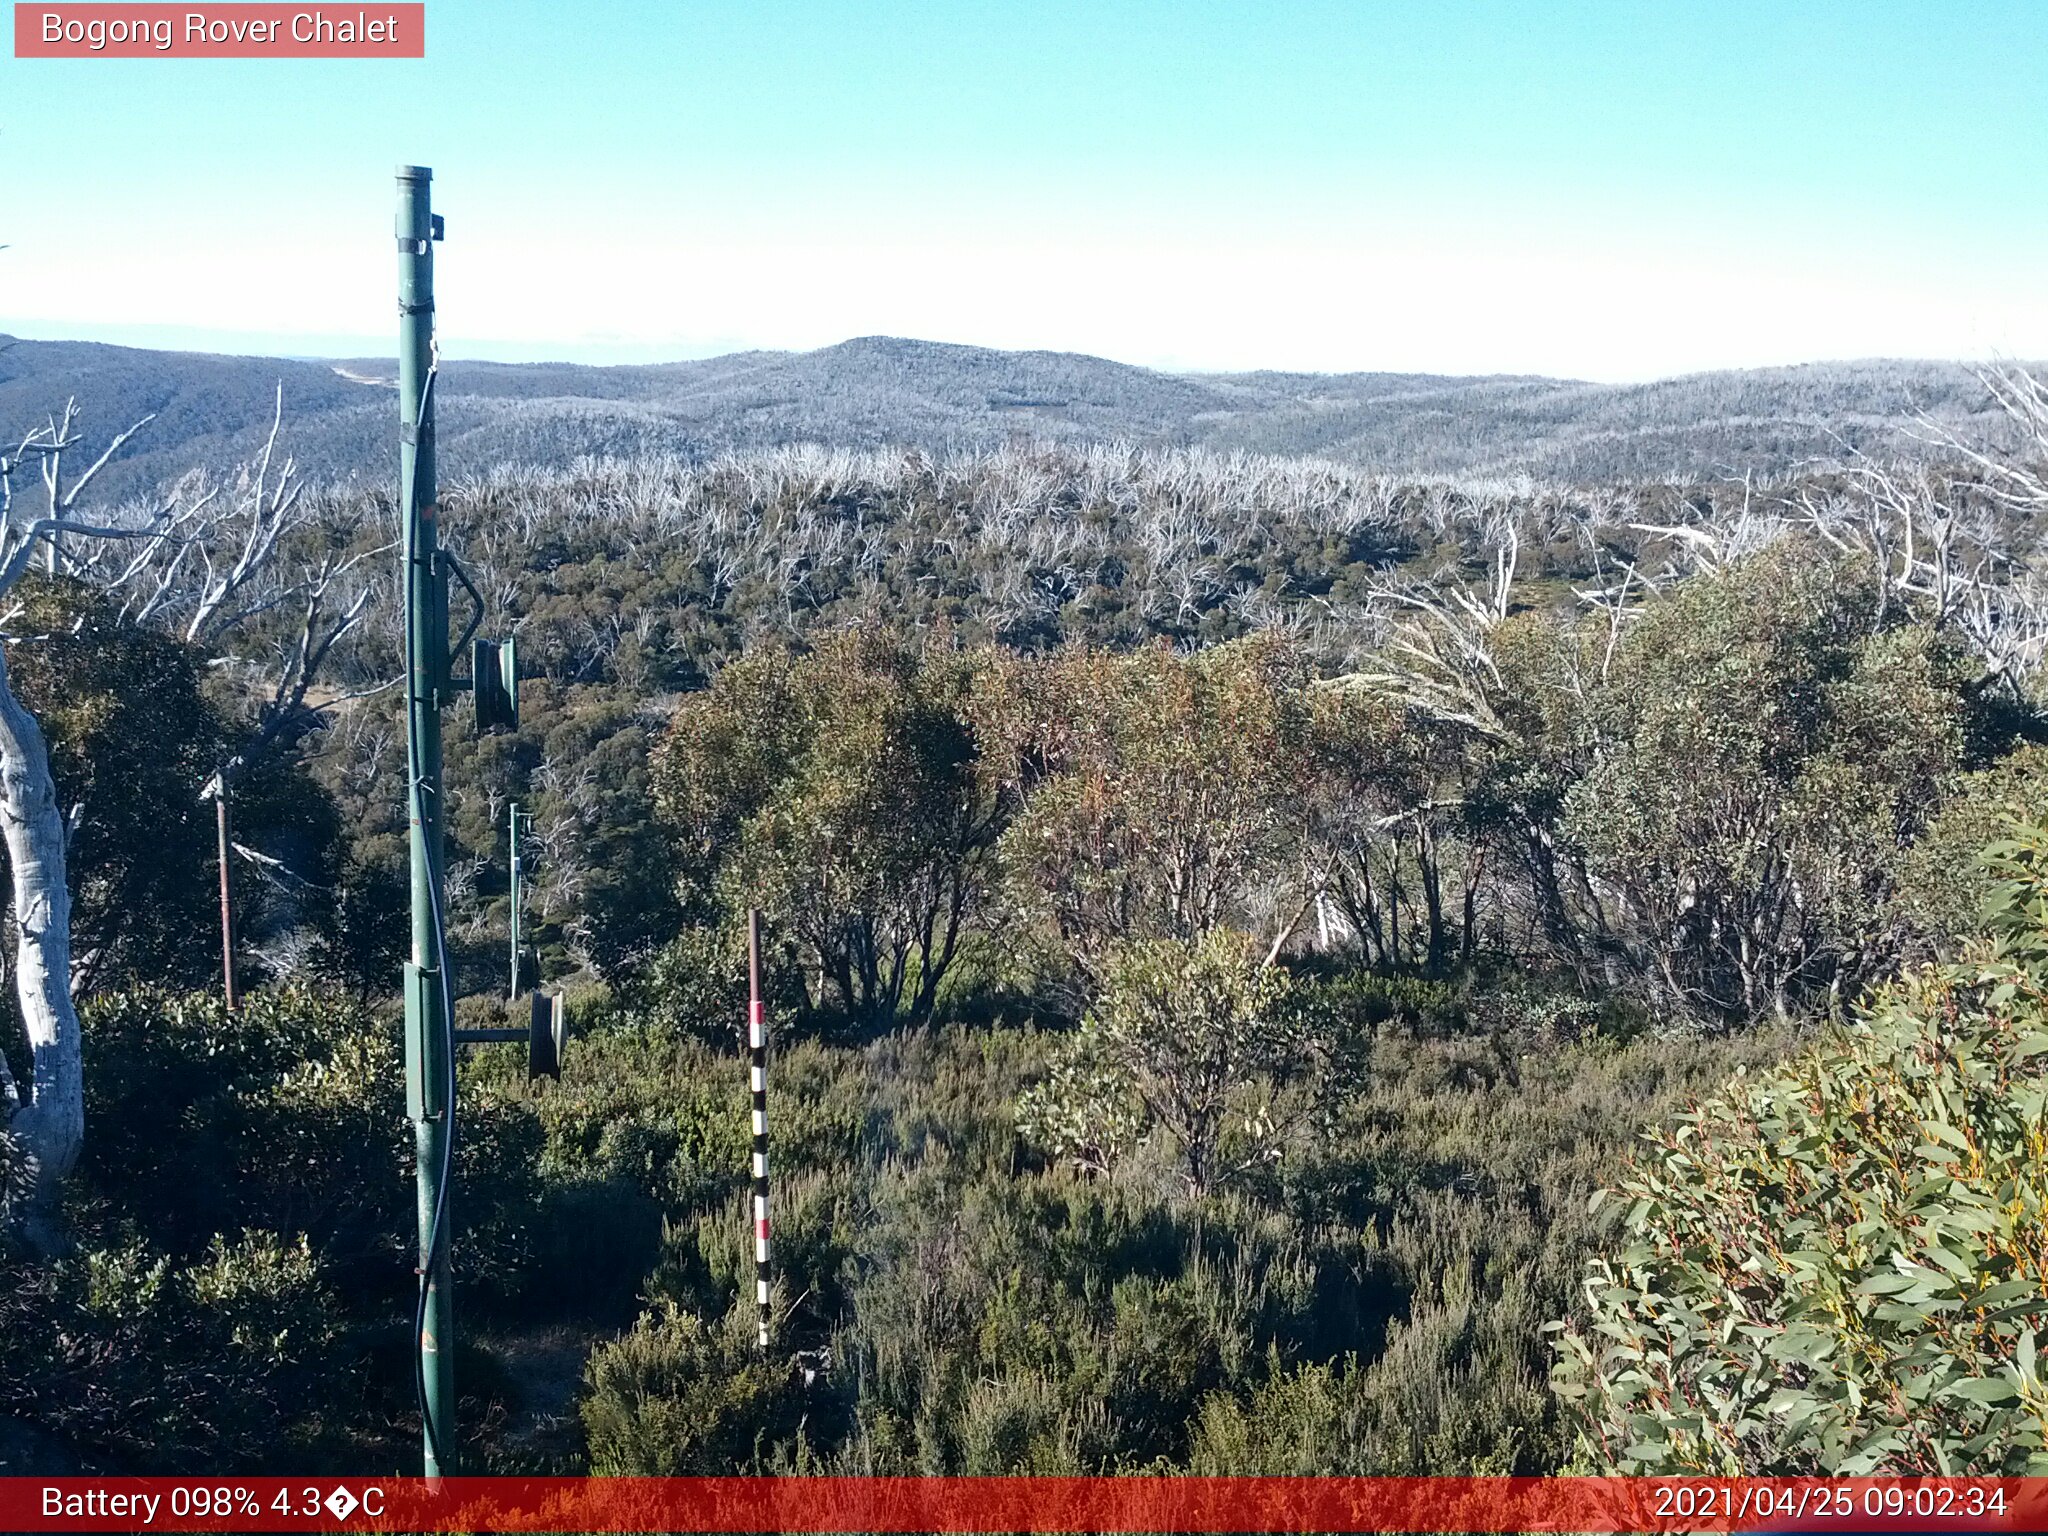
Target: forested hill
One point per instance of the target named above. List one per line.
(884, 391)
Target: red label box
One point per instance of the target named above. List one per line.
(372, 30)
(1767, 1506)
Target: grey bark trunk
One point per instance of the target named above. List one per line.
(48, 1123)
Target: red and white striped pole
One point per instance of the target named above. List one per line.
(757, 1053)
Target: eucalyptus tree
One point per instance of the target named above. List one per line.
(208, 562)
(1701, 777)
(45, 1115)
(845, 793)
(1162, 795)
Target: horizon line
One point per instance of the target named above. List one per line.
(342, 348)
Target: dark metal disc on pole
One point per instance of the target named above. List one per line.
(428, 1027)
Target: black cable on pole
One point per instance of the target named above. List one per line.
(437, 1237)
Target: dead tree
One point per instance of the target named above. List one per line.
(204, 561)
(233, 558)
(45, 1116)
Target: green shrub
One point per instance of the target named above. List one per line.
(1026, 1423)
(286, 1114)
(1416, 1413)
(1942, 883)
(1364, 1000)
(1841, 1265)
(965, 1307)
(1196, 1038)
(137, 1360)
(679, 1396)
(695, 986)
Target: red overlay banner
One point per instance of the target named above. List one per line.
(977, 1504)
(232, 31)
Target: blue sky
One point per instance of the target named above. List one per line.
(1607, 190)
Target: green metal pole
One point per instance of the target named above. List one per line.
(429, 1049)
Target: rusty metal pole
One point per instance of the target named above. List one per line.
(512, 819)
(227, 899)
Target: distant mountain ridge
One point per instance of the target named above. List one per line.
(881, 391)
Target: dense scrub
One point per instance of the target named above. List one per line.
(1708, 804)
(237, 1285)
(1225, 920)
(952, 1297)
(631, 583)
(956, 1300)
(1841, 1264)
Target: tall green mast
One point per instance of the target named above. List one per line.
(429, 1037)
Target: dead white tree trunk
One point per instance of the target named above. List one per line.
(48, 1125)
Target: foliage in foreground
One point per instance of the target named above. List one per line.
(1710, 808)
(240, 1272)
(949, 1302)
(1841, 1265)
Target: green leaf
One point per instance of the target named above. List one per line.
(1953, 1263)
(2009, 1290)
(1984, 1389)
(1947, 1133)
